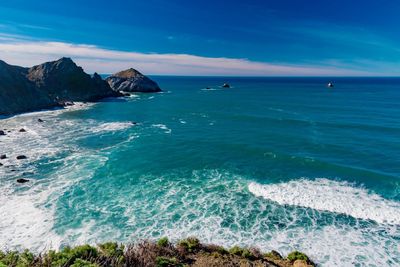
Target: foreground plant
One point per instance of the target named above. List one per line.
(187, 252)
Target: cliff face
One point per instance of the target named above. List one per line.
(65, 81)
(19, 94)
(132, 80)
(48, 85)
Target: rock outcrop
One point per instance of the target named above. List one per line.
(48, 85)
(132, 80)
(18, 93)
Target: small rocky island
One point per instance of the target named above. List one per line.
(131, 80)
(58, 83)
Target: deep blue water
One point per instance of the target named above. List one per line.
(279, 163)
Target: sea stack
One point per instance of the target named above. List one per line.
(131, 80)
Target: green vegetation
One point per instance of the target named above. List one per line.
(295, 255)
(189, 244)
(163, 242)
(273, 255)
(162, 253)
(167, 262)
(243, 252)
(83, 263)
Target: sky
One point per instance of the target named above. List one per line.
(228, 38)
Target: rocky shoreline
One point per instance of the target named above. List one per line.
(60, 83)
(186, 252)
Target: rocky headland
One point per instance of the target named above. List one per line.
(59, 83)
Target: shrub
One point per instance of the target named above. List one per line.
(111, 254)
(111, 249)
(247, 254)
(10, 258)
(163, 242)
(83, 263)
(26, 258)
(68, 255)
(222, 250)
(273, 255)
(167, 262)
(242, 252)
(189, 244)
(296, 255)
(236, 250)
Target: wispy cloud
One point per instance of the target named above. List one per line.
(92, 58)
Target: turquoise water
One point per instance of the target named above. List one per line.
(278, 163)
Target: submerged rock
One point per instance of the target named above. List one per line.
(3, 156)
(226, 85)
(40, 120)
(22, 157)
(2, 132)
(22, 180)
(132, 80)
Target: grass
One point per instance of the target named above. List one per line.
(296, 255)
(187, 252)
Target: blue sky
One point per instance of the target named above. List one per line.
(298, 37)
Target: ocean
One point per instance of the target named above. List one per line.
(277, 163)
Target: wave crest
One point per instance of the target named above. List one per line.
(333, 196)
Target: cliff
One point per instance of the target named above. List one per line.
(18, 93)
(131, 80)
(48, 85)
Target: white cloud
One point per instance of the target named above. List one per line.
(92, 58)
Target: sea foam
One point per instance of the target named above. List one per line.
(162, 127)
(112, 126)
(333, 196)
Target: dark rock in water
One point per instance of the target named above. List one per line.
(22, 130)
(22, 180)
(40, 120)
(66, 104)
(2, 132)
(48, 85)
(225, 85)
(21, 157)
(4, 156)
(125, 94)
(132, 81)
(1, 164)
